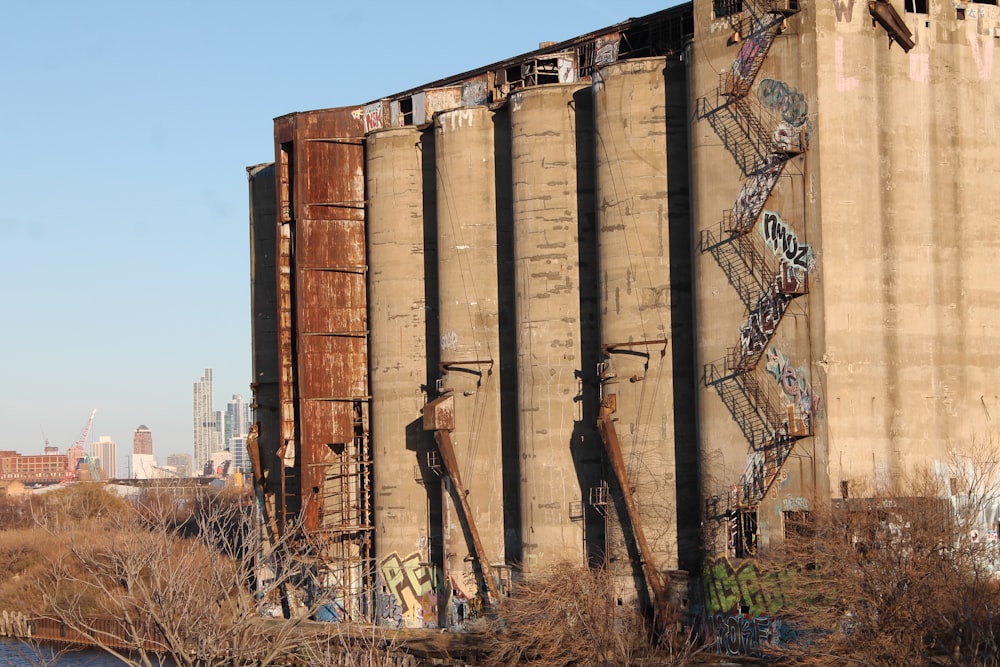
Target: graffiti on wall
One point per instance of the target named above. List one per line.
(475, 92)
(750, 50)
(782, 241)
(408, 592)
(740, 604)
(794, 382)
(982, 54)
(763, 320)
(739, 587)
(785, 101)
(755, 192)
(843, 10)
(373, 117)
(742, 634)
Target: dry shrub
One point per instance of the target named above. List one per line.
(894, 578)
(572, 615)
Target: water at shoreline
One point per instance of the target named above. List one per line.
(15, 653)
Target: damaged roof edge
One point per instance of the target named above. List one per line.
(557, 47)
(676, 11)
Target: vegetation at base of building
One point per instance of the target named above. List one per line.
(572, 615)
(906, 575)
(151, 579)
(900, 576)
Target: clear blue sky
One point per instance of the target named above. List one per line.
(124, 226)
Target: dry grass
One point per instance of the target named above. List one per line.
(574, 616)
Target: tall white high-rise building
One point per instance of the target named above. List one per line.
(104, 452)
(204, 421)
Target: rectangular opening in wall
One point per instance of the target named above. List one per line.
(743, 533)
(797, 523)
(726, 7)
(514, 76)
(915, 6)
(406, 110)
(987, 2)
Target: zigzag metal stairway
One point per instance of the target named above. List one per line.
(761, 152)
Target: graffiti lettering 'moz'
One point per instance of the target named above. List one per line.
(781, 239)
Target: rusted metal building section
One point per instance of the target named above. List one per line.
(323, 350)
(264, 308)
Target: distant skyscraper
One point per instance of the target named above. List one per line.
(237, 418)
(207, 438)
(142, 441)
(105, 454)
(237, 422)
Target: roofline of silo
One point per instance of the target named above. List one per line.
(678, 10)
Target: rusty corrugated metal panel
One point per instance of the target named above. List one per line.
(329, 243)
(322, 337)
(328, 370)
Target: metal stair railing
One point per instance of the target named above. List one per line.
(731, 391)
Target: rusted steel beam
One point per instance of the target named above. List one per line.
(443, 439)
(609, 437)
(611, 347)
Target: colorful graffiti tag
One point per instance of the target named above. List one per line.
(755, 192)
(741, 635)
(784, 100)
(408, 592)
(738, 587)
(750, 51)
(782, 241)
(794, 381)
(740, 604)
(763, 320)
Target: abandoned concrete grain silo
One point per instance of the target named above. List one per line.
(631, 300)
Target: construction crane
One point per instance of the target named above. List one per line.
(79, 450)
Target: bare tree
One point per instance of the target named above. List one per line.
(158, 585)
(901, 576)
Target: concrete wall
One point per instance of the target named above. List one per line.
(886, 353)
(769, 276)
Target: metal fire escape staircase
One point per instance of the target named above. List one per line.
(761, 153)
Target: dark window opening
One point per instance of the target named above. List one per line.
(743, 533)
(798, 524)
(916, 6)
(726, 7)
(406, 110)
(960, 13)
(987, 2)
(514, 77)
